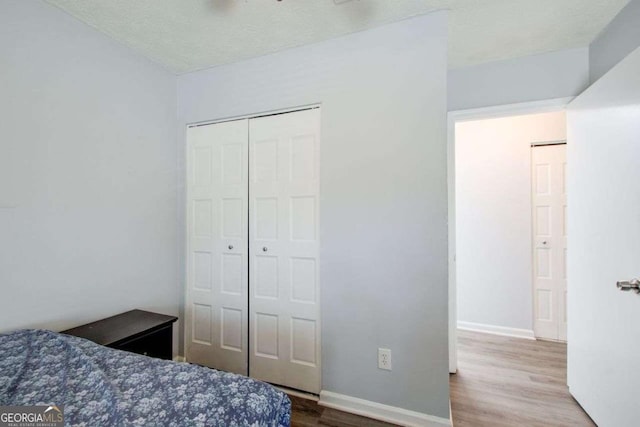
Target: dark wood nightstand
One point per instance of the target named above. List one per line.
(137, 331)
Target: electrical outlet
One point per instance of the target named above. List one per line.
(384, 359)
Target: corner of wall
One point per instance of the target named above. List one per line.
(615, 42)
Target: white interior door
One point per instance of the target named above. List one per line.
(549, 165)
(604, 230)
(284, 290)
(217, 266)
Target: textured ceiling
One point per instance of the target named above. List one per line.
(187, 35)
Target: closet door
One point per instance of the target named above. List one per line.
(284, 290)
(549, 165)
(217, 265)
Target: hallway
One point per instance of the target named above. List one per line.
(504, 381)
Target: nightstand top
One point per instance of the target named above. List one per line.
(121, 327)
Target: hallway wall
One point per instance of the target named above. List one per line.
(493, 218)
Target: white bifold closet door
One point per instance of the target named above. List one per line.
(252, 303)
(549, 165)
(284, 329)
(217, 242)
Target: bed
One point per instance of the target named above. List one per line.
(99, 386)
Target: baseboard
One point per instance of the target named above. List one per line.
(179, 359)
(378, 411)
(497, 330)
(297, 393)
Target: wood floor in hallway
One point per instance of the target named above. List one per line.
(504, 381)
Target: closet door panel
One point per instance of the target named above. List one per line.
(284, 288)
(217, 248)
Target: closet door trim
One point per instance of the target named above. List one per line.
(254, 116)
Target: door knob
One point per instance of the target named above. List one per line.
(628, 285)
(544, 243)
(264, 249)
(230, 247)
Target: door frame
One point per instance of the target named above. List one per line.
(453, 117)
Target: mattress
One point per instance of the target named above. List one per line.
(99, 386)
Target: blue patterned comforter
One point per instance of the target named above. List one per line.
(99, 386)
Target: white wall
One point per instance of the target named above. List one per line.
(383, 196)
(493, 216)
(604, 239)
(621, 37)
(532, 78)
(87, 174)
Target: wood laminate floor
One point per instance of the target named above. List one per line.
(308, 413)
(501, 382)
(509, 382)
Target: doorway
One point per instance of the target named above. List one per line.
(491, 224)
(507, 252)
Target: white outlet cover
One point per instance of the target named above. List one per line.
(384, 359)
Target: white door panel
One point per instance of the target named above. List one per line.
(550, 241)
(217, 273)
(604, 228)
(284, 288)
